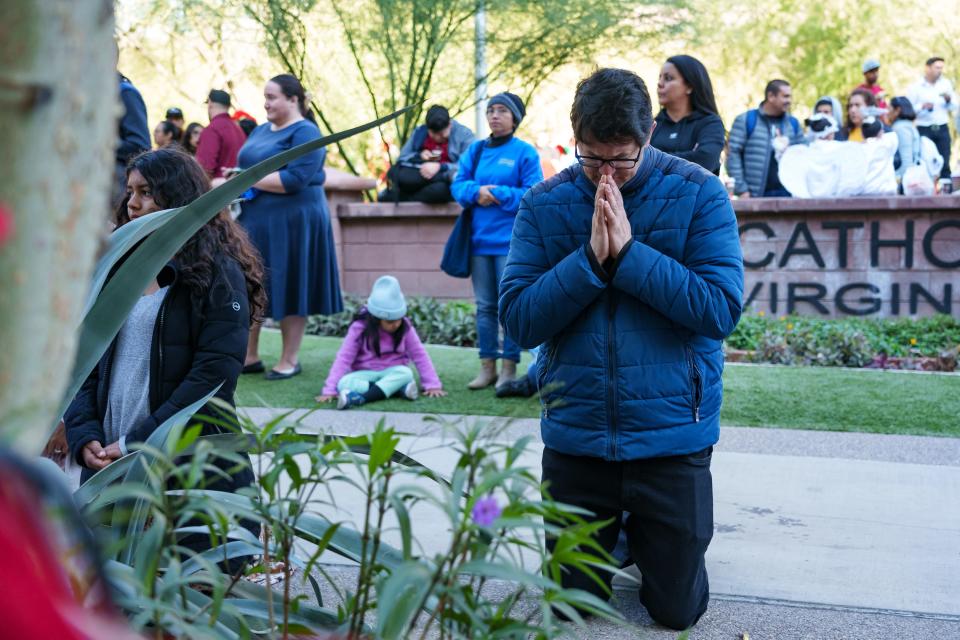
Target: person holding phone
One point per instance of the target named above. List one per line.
(428, 160)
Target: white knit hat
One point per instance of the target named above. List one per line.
(386, 299)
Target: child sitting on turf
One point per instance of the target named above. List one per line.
(372, 363)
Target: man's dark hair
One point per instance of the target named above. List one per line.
(930, 61)
(610, 106)
(438, 118)
(774, 87)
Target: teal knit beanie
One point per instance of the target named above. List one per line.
(386, 300)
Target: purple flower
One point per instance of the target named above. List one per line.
(486, 511)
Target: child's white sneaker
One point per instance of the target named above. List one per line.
(411, 391)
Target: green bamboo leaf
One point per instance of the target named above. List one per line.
(188, 438)
(148, 554)
(403, 520)
(399, 598)
(105, 316)
(383, 443)
(503, 571)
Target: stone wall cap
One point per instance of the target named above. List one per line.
(398, 210)
(337, 180)
(802, 206)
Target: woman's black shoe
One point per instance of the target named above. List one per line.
(273, 374)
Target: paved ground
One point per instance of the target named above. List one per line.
(818, 534)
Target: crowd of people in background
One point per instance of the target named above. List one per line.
(913, 160)
(893, 145)
(871, 144)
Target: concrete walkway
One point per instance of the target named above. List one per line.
(817, 534)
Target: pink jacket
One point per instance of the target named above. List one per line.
(356, 355)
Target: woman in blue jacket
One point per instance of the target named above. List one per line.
(493, 176)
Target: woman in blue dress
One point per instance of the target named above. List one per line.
(289, 222)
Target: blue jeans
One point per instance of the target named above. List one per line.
(485, 272)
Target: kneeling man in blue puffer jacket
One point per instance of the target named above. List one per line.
(627, 269)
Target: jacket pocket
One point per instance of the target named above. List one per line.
(696, 381)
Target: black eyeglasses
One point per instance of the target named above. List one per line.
(592, 162)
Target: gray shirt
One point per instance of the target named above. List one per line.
(128, 399)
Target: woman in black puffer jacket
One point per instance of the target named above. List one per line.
(187, 333)
(688, 125)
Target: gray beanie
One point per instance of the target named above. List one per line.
(386, 300)
(512, 102)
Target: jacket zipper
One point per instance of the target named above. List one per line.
(696, 380)
(543, 366)
(612, 371)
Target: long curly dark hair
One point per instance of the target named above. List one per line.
(176, 180)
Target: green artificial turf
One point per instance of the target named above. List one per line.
(763, 396)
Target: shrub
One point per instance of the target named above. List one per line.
(847, 341)
(450, 322)
(492, 507)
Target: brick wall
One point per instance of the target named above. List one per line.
(793, 248)
(405, 240)
(859, 256)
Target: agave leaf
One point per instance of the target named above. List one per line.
(313, 618)
(137, 473)
(105, 316)
(92, 488)
(234, 549)
(119, 243)
(400, 597)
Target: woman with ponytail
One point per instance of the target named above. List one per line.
(287, 219)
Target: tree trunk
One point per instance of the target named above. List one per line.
(59, 100)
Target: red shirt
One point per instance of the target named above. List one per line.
(877, 91)
(430, 145)
(219, 145)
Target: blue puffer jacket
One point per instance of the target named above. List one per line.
(630, 368)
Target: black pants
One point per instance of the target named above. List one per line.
(940, 134)
(407, 185)
(669, 502)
